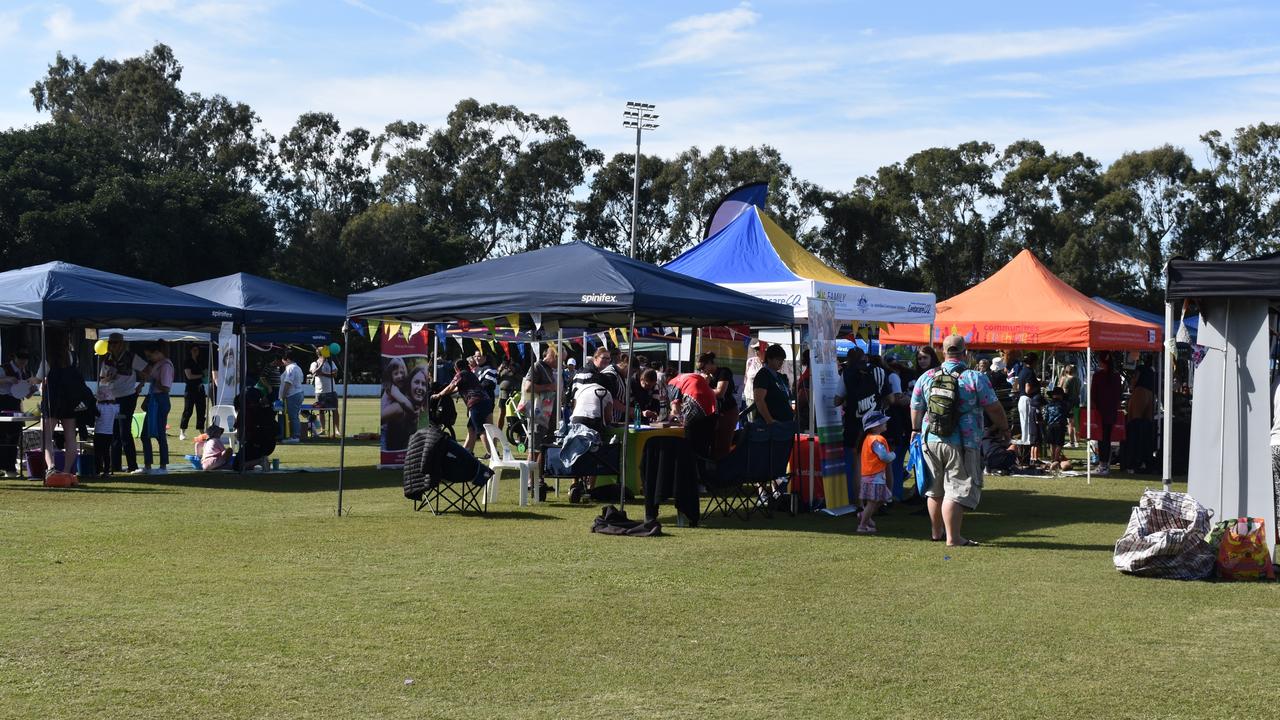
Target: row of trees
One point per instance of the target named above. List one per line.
(134, 175)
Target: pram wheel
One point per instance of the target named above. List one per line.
(516, 434)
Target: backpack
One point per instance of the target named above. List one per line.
(944, 403)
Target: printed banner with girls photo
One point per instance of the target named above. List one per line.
(406, 392)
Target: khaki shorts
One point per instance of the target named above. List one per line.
(956, 471)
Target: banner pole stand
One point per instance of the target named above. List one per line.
(346, 385)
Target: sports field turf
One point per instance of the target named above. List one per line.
(216, 596)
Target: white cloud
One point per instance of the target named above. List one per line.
(698, 38)
(487, 23)
(61, 24)
(954, 48)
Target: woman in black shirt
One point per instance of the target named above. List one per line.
(193, 397)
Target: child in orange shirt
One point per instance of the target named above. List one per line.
(876, 457)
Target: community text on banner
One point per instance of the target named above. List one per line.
(828, 425)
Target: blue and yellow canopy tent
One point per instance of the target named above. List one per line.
(751, 254)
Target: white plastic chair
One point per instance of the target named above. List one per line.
(501, 458)
(224, 416)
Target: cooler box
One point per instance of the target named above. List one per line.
(86, 464)
(800, 469)
(1093, 427)
(35, 464)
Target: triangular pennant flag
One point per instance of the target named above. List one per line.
(405, 331)
(489, 325)
(461, 344)
(373, 328)
(506, 347)
(514, 321)
(537, 320)
(604, 339)
(415, 328)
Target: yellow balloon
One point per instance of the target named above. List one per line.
(100, 347)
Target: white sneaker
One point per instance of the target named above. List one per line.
(140, 471)
(182, 435)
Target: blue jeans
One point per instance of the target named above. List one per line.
(157, 418)
(293, 406)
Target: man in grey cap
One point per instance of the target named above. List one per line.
(947, 409)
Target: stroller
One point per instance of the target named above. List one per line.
(444, 413)
(515, 423)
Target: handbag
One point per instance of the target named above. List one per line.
(1242, 550)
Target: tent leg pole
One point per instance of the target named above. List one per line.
(342, 432)
(1170, 357)
(626, 413)
(45, 430)
(559, 404)
(795, 383)
(244, 396)
(1222, 421)
(1088, 418)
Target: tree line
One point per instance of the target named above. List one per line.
(134, 175)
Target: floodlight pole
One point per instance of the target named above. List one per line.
(639, 116)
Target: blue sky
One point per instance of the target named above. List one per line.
(839, 87)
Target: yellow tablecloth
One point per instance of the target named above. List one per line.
(636, 440)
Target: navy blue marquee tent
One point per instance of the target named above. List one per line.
(59, 293)
(1192, 322)
(575, 280)
(582, 283)
(268, 303)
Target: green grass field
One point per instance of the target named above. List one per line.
(213, 596)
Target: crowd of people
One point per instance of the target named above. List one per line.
(130, 380)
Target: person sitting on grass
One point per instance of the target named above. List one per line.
(213, 454)
(876, 458)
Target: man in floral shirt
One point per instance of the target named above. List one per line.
(955, 461)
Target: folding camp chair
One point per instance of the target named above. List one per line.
(441, 475)
(760, 456)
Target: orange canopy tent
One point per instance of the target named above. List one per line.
(1023, 305)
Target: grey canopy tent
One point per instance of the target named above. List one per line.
(589, 286)
(1229, 469)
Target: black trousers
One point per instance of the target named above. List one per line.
(10, 435)
(1104, 442)
(124, 454)
(193, 400)
(102, 452)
